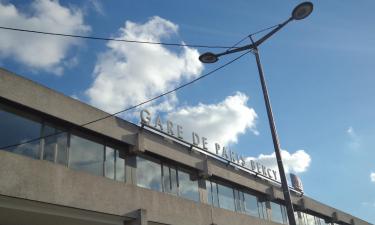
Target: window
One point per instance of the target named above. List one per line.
(212, 194)
(120, 166)
(188, 187)
(15, 129)
(109, 162)
(262, 210)
(251, 205)
(86, 155)
(148, 174)
(276, 213)
(55, 145)
(226, 198)
(170, 180)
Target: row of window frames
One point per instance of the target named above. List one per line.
(170, 178)
(55, 148)
(307, 219)
(243, 202)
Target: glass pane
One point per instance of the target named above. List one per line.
(251, 205)
(276, 214)
(148, 174)
(16, 129)
(310, 219)
(239, 200)
(120, 166)
(188, 187)
(262, 210)
(297, 218)
(170, 179)
(86, 155)
(55, 146)
(109, 163)
(209, 192)
(285, 214)
(226, 198)
(215, 197)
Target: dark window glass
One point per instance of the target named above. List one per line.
(55, 145)
(16, 129)
(86, 155)
(226, 198)
(120, 166)
(170, 180)
(109, 163)
(276, 213)
(148, 174)
(251, 205)
(188, 187)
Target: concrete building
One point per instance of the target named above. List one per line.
(115, 172)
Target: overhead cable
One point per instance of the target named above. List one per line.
(134, 106)
(110, 39)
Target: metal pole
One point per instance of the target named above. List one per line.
(275, 139)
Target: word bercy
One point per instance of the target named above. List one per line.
(176, 131)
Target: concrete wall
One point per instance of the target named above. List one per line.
(42, 181)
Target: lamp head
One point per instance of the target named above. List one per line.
(302, 10)
(208, 57)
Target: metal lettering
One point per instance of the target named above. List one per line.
(145, 116)
(252, 165)
(179, 132)
(258, 168)
(242, 159)
(170, 127)
(195, 139)
(159, 123)
(217, 148)
(264, 170)
(269, 173)
(224, 153)
(275, 174)
(204, 143)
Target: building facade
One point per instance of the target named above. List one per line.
(114, 172)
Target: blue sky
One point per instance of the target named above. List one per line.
(319, 73)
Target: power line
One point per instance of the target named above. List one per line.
(110, 39)
(137, 105)
(247, 36)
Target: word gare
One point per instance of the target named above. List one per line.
(176, 130)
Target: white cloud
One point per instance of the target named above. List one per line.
(127, 74)
(220, 123)
(34, 50)
(372, 177)
(296, 162)
(354, 140)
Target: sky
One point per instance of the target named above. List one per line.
(319, 73)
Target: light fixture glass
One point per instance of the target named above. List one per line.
(302, 10)
(208, 57)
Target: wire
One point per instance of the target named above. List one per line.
(247, 36)
(137, 105)
(110, 39)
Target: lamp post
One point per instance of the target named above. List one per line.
(300, 12)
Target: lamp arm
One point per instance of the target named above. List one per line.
(258, 42)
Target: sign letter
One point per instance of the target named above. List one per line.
(145, 117)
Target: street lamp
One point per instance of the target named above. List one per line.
(300, 12)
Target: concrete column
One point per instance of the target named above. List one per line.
(140, 218)
(130, 169)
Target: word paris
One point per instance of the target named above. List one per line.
(177, 131)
